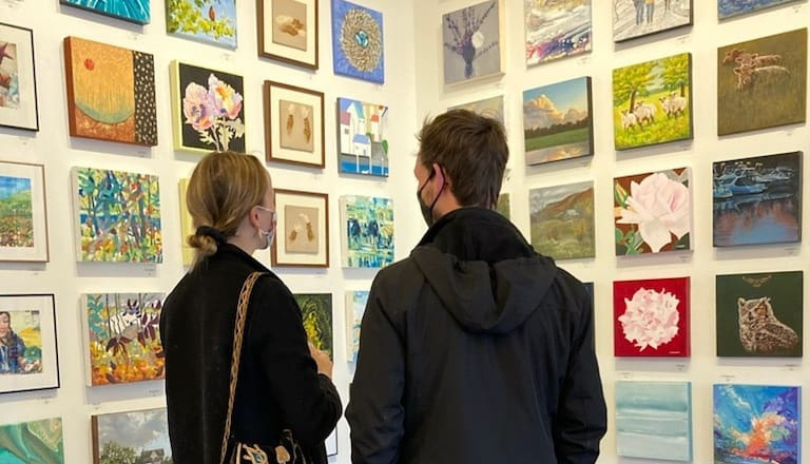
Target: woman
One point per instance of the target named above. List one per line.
(283, 384)
(12, 347)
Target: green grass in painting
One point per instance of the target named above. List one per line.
(562, 138)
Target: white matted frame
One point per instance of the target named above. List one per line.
(274, 93)
(17, 45)
(279, 256)
(46, 375)
(271, 21)
(22, 245)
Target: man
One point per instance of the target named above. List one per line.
(475, 349)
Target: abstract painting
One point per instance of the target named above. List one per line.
(367, 237)
(302, 220)
(288, 31)
(140, 437)
(638, 18)
(134, 11)
(123, 337)
(654, 420)
(18, 86)
(28, 357)
(111, 93)
(294, 125)
(757, 424)
(186, 225)
(653, 212)
(363, 144)
(32, 442)
(23, 226)
(758, 201)
(208, 109)
(212, 22)
(557, 123)
(358, 46)
(355, 308)
(731, 8)
(562, 221)
(760, 315)
(472, 39)
(762, 83)
(316, 310)
(489, 107)
(503, 206)
(652, 102)
(117, 216)
(556, 30)
(651, 318)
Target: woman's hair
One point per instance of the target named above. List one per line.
(221, 192)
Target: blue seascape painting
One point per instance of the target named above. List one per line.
(135, 11)
(731, 8)
(358, 45)
(654, 420)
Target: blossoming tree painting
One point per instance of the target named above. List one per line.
(653, 212)
(358, 46)
(472, 42)
(651, 318)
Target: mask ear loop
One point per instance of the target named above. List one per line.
(444, 182)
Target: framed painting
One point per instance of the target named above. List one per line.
(762, 83)
(731, 8)
(363, 131)
(355, 308)
(504, 206)
(111, 93)
(29, 359)
(212, 22)
(562, 221)
(186, 225)
(302, 238)
(288, 31)
(316, 311)
(36, 441)
(651, 318)
(556, 30)
(638, 18)
(208, 109)
(757, 201)
(23, 213)
(489, 107)
(117, 216)
(367, 235)
(557, 123)
(472, 40)
(760, 315)
(144, 435)
(358, 42)
(134, 11)
(18, 83)
(294, 122)
(653, 212)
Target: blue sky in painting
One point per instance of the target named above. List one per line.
(140, 430)
(13, 185)
(136, 11)
(222, 9)
(568, 94)
(735, 405)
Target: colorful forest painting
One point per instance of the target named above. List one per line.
(358, 42)
(135, 11)
(731, 8)
(117, 216)
(355, 308)
(368, 231)
(556, 30)
(209, 21)
(562, 221)
(37, 442)
(16, 212)
(132, 437)
(757, 424)
(316, 310)
(111, 93)
(25, 340)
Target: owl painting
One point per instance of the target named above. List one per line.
(760, 330)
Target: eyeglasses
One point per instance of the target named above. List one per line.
(263, 208)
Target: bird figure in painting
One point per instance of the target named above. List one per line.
(212, 15)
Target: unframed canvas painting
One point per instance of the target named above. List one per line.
(556, 30)
(358, 42)
(135, 11)
(562, 221)
(140, 437)
(368, 231)
(472, 42)
(490, 107)
(355, 308)
(363, 144)
(316, 311)
(212, 22)
(37, 442)
(731, 8)
(637, 18)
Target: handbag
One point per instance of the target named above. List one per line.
(288, 451)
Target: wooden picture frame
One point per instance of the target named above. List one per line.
(18, 110)
(283, 27)
(293, 245)
(32, 319)
(301, 111)
(143, 432)
(23, 185)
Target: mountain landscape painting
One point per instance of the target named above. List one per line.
(562, 221)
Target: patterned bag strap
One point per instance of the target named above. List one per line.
(238, 338)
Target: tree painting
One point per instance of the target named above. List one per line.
(16, 212)
(316, 311)
(208, 20)
(132, 437)
(472, 39)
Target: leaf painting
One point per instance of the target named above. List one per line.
(316, 311)
(20, 342)
(562, 221)
(363, 137)
(358, 42)
(556, 30)
(472, 42)
(38, 442)
(209, 21)
(368, 231)
(137, 437)
(355, 308)
(135, 11)
(638, 18)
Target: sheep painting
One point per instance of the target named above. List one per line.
(652, 102)
(762, 83)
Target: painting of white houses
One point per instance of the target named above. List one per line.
(363, 146)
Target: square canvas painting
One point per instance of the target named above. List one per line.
(651, 318)
(117, 216)
(303, 234)
(141, 435)
(562, 221)
(367, 237)
(32, 442)
(134, 11)
(731, 8)
(472, 39)
(762, 83)
(363, 137)
(653, 212)
(652, 102)
(28, 356)
(316, 310)
(504, 206)
(212, 22)
(757, 423)
(557, 123)
(358, 42)
(654, 420)
(760, 314)
(23, 225)
(757, 201)
(638, 18)
(288, 31)
(489, 107)
(111, 92)
(355, 308)
(294, 125)
(18, 86)
(557, 29)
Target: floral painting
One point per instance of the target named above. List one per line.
(556, 30)
(472, 42)
(368, 231)
(135, 11)
(562, 221)
(653, 212)
(39, 442)
(651, 318)
(358, 46)
(355, 308)
(136, 437)
(316, 311)
(209, 21)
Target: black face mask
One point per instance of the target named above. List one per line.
(427, 211)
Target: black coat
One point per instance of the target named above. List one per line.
(475, 349)
(279, 386)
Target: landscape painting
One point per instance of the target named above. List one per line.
(117, 216)
(138, 437)
(37, 442)
(123, 337)
(654, 420)
(757, 201)
(367, 237)
(760, 315)
(358, 42)
(316, 310)
(23, 227)
(472, 38)
(762, 83)
(355, 308)
(651, 318)
(557, 29)
(653, 212)
(111, 93)
(134, 11)
(28, 356)
(363, 144)
(557, 123)
(504, 206)
(652, 102)
(562, 221)
(638, 18)
(208, 21)
(489, 107)
(731, 8)
(18, 87)
(288, 31)
(757, 424)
